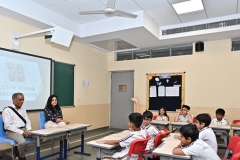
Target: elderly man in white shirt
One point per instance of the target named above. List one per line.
(17, 128)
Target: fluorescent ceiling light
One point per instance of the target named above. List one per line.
(188, 6)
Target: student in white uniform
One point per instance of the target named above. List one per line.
(219, 120)
(135, 121)
(162, 114)
(147, 126)
(205, 132)
(192, 146)
(183, 115)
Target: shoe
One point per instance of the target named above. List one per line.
(20, 158)
(15, 152)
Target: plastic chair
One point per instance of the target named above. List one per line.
(154, 117)
(41, 120)
(231, 145)
(42, 126)
(236, 157)
(157, 142)
(168, 118)
(235, 121)
(4, 139)
(236, 151)
(194, 119)
(138, 147)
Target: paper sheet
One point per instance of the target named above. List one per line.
(172, 91)
(161, 91)
(153, 91)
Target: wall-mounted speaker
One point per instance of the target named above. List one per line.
(199, 46)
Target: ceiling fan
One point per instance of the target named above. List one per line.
(110, 11)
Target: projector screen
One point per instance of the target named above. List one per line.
(25, 73)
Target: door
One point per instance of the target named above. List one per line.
(122, 89)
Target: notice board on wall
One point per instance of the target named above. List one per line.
(165, 90)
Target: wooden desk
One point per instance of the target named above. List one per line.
(160, 124)
(235, 129)
(105, 148)
(164, 150)
(46, 134)
(220, 129)
(171, 137)
(178, 125)
(76, 128)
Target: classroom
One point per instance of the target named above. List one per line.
(211, 75)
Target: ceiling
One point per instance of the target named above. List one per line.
(161, 11)
(142, 32)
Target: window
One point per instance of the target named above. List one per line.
(124, 56)
(182, 50)
(156, 52)
(141, 54)
(161, 52)
(236, 45)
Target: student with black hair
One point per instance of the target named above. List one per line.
(192, 146)
(147, 126)
(162, 114)
(183, 115)
(135, 122)
(205, 132)
(219, 120)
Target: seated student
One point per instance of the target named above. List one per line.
(219, 120)
(190, 145)
(183, 115)
(135, 121)
(147, 126)
(236, 125)
(53, 113)
(162, 114)
(205, 132)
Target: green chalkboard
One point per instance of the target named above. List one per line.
(63, 85)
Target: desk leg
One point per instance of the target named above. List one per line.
(38, 148)
(98, 154)
(82, 147)
(60, 149)
(65, 149)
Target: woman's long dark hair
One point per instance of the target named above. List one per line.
(49, 104)
(165, 112)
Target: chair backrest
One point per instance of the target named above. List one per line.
(235, 121)
(158, 139)
(236, 149)
(194, 119)
(154, 117)
(138, 146)
(2, 132)
(41, 120)
(236, 157)
(233, 142)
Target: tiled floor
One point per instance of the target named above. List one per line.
(75, 139)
